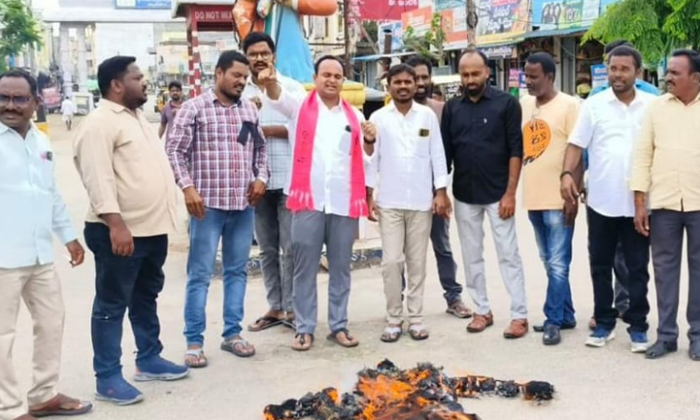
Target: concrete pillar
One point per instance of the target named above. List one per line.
(82, 58)
(65, 59)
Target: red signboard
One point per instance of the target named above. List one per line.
(385, 9)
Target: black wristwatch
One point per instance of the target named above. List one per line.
(565, 173)
(370, 141)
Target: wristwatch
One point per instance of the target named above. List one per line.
(370, 141)
(565, 173)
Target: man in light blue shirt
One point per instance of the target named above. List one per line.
(32, 209)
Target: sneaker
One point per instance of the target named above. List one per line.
(117, 391)
(159, 369)
(600, 337)
(640, 342)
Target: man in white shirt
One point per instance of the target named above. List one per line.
(273, 221)
(324, 194)
(32, 208)
(409, 158)
(607, 126)
(68, 111)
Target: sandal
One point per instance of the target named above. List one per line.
(61, 405)
(290, 322)
(459, 309)
(302, 342)
(392, 333)
(194, 358)
(349, 341)
(234, 345)
(264, 323)
(418, 332)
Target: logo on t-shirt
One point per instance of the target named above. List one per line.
(536, 139)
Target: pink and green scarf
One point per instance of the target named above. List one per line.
(300, 194)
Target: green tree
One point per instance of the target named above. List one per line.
(18, 28)
(654, 26)
(432, 44)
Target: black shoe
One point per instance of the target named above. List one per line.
(661, 348)
(694, 351)
(551, 336)
(540, 328)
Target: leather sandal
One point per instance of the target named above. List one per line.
(480, 323)
(60, 405)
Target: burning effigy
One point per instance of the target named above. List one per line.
(389, 393)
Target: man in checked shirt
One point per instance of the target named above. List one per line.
(273, 221)
(217, 151)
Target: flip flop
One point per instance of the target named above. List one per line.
(230, 346)
(62, 405)
(264, 323)
(418, 332)
(391, 334)
(301, 344)
(460, 310)
(198, 354)
(351, 341)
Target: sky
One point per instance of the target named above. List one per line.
(45, 4)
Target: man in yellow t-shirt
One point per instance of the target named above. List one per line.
(548, 119)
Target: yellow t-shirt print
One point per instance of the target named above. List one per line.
(536, 138)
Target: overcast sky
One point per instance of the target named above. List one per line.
(45, 4)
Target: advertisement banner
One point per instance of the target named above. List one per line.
(502, 20)
(142, 4)
(562, 14)
(599, 75)
(396, 31)
(385, 9)
(418, 19)
(454, 23)
(441, 5)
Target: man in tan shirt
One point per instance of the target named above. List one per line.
(131, 188)
(665, 179)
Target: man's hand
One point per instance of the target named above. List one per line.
(373, 215)
(122, 242)
(569, 191)
(256, 191)
(268, 76)
(194, 202)
(570, 213)
(442, 205)
(641, 220)
(369, 131)
(506, 208)
(77, 253)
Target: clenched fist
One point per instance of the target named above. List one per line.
(369, 131)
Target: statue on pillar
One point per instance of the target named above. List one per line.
(281, 20)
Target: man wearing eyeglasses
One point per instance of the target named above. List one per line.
(273, 221)
(32, 209)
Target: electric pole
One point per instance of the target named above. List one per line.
(346, 29)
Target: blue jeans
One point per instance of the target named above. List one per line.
(125, 282)
(235, 229)
(554, 242)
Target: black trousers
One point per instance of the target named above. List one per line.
(604, 233)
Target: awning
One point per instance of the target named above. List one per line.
(554, 32)
(375, 57)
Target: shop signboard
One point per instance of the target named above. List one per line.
(143, 4)
(383, 10)
(501, 21)
(563, 14)
(418, 19)
(599, 75)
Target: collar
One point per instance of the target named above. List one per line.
(4, 129)
(610, 96)
(672, 97)
(113, 106)
(211, 97)
(335, 108)
(392, 107)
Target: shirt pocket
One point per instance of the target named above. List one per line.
(421, 143)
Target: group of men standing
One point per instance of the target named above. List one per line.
(257, 153)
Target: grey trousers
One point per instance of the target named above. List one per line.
(470, 225)
(273, 228)
(310, 230)
(447, 268)
(667, 228)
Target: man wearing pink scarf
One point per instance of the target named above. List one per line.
(326, 194)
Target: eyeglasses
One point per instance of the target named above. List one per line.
(17, 100)
(263, 55)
